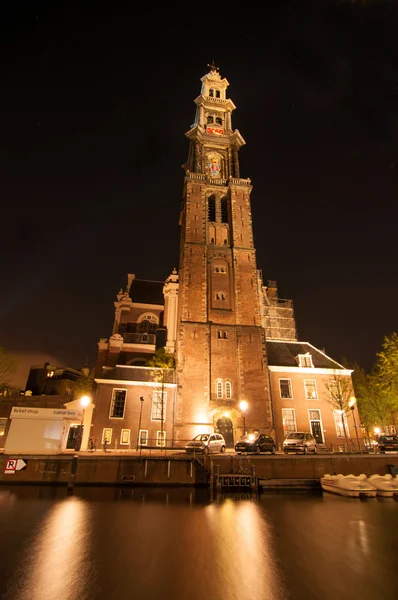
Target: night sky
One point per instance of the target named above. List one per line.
(94, 108)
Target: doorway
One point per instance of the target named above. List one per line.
(224, 426)
(316, 430)
(73, 436)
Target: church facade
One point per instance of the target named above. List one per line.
(232, 338)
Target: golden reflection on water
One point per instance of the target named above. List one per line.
(243, 549)
(56, 556)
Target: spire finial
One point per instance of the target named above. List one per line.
(213, 67)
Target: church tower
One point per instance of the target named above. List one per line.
(221, 350)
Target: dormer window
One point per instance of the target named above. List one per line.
(305, 360)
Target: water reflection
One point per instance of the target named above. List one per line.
(244, 558)
(55, 557)
(187, 543)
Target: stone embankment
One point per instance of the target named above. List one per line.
(179, 469)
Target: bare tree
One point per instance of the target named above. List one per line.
(340, 391)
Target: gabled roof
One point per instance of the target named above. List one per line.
(147, 292)
(283, 354)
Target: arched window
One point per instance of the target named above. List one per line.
(210, 119)
(228, 390)
(218, 94)
(219, 388)
(219, 120)
(219, 334)
(211, 209)
(211, 93)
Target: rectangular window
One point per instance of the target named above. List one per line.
(157, 403)
(107, 435)
(118, 404)
(285, 386)
(305, 360)
(338, 421)
(125, 437)
(3, 423)
(143, 437)
(310, 389)
(161, 438)
(288, 420)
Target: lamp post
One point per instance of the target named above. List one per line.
(352, 402)
(243, 407)
(139, 421)
(84, 402)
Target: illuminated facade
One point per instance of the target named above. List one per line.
(232, 337)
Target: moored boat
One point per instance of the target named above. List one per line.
(352, 486)
(386, 485)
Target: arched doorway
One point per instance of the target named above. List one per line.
(224, 426)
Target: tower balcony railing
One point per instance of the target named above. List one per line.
(139, 338)
(216, 180)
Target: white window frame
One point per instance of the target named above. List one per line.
(159, 441)
(228, 390)
(343, 416)
(305, 389)
(112, 401)
(157, 405)
(140, 442)
(107, 433)
(290, 387)
(293, 413)
(122, 434)
(318, 410)
(304, 358)
(219, 389)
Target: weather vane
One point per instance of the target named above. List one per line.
(213, 67)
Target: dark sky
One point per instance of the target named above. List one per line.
(94, 108)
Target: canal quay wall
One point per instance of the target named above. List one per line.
(270, 472)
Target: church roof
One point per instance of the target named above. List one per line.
(147, 292)
(283, 354)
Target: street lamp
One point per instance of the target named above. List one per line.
(243, 407)
(352, 402)
(139, 422)
(84, 402)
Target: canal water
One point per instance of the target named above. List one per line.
(185, 544)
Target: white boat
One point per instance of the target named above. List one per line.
(353, 486)
(385, 485)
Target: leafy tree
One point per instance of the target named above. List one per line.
(385, 373)
(161, 362)
(84, 385)
(340, 391)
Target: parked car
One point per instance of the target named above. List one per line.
(255, 442)
(387, 443)
(206, 442)
(299, 442)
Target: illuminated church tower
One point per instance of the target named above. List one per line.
(221, 350)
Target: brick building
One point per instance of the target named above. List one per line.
(232, 337)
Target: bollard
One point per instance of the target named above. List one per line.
(72, 475)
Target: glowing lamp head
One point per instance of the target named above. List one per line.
(352, 401)
(243, 405)
(85, 401)
(376, 430)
